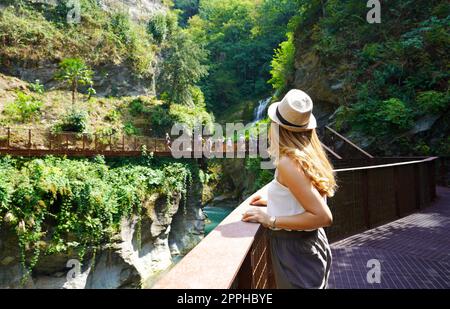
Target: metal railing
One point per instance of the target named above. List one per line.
(236, 254)
(340, 144)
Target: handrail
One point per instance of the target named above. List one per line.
(224, 248)
(346, 140)
(385, 165)
(331, 151)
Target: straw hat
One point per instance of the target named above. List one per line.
(294, 112)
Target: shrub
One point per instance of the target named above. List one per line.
(433, 102)
(157, 27)
(190, 116)
(395, 112)
(37, 87)
(136, 107)
(113, 116)
(378, 118)
(23, 108)
(160, 119)
(74, 121)
(130, 129)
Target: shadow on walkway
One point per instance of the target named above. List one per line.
(414, 251)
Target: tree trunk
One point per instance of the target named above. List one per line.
(74, 93)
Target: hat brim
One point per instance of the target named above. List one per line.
(272, 113)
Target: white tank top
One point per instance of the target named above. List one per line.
(281, 201)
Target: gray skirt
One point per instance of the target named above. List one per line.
(300, 259)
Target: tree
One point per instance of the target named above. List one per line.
(183, 68)
(74, 72)
(283, 64)
(188, 9)
(157, 27)
(241, 36)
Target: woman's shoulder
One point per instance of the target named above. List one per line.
(288, 166)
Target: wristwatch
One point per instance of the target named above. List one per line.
(272, 221)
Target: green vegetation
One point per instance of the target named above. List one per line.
(23, 108)
(183, 68)
(34, 33)
(283, 64)
(162, 25)
(37, 87)
(73, 121)
(240, 37)
(56, 204)
(188, 9)
(393, 74)
(433, 102)
(74, 72)
(40, 33)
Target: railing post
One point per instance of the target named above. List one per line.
(29, 138)
(365, 196)
(123, 141)
(135, 143)
(397, 192)
(417, 194)
(84, 141)
(432, 181)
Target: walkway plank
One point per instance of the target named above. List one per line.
(414, 252)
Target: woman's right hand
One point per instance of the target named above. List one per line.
(257, 200)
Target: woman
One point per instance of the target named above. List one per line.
(296, 198)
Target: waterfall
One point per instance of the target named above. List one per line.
(260, 109)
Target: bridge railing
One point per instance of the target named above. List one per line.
(24, 141)
(236, 254)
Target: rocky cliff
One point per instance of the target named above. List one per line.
(385, 81)
(133, 257)
(138, 9)
(122, 54)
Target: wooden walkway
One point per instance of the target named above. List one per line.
(414, 252)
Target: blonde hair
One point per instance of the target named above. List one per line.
(306, 150)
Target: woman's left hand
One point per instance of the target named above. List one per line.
(256, 215)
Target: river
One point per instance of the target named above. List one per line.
(216, 213)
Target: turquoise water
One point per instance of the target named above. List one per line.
(215, 215)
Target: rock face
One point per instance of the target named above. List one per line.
(125, 262)
(109, 80)
(314, 78)
(325, 89)
(188, 224)
(138, 9)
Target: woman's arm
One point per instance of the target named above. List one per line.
(316, 215)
